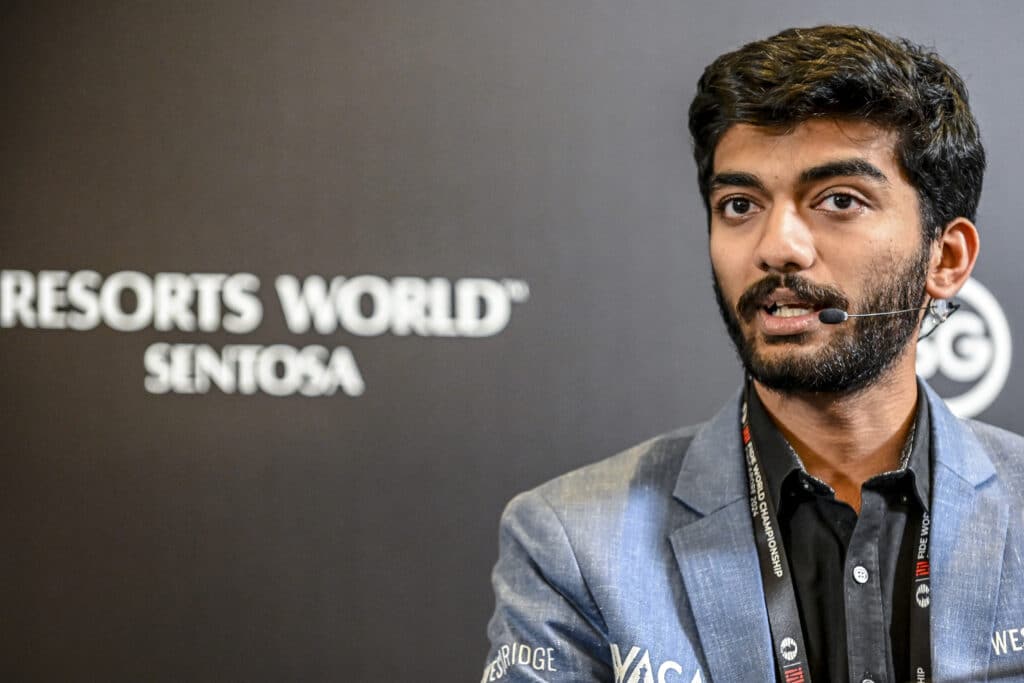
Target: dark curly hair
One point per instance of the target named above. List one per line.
(853, 73)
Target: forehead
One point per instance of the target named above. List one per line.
(779, 153)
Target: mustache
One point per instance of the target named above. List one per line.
(818, 295)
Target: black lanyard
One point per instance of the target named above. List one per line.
(783, 615)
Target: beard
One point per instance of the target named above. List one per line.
(859, 351)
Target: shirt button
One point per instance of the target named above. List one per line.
(860, 575)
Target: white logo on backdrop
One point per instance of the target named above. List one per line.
(196, 303)
(972, 348)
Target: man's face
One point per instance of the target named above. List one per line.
(819, 217)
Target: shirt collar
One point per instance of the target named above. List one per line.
(779, 460)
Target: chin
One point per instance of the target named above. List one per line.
(792, 365)
(821, 372)
(801, 339)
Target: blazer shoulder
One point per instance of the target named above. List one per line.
(997, 437)
(651, 465)
(1005, 449)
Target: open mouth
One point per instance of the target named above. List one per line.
(786, 305)
(793, 310)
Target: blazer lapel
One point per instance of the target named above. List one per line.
(717, 556)
(970, 518)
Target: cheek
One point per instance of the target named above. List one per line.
(728, 264)
(718, 251)
(849, 263)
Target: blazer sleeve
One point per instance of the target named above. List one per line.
(546, 625)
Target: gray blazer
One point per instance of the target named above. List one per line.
(642, 568)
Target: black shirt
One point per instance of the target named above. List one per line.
(851, 574)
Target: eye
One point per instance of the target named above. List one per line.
(736, 207)
(841, 202)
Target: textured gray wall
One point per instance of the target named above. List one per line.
(251, 537)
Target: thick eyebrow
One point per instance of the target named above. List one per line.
(737, 179)
(844, 168)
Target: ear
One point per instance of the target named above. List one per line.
(953, 257)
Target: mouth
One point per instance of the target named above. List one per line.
(786, 303)
(793, 310)
(788, 310)
(780, 305)
(784, 313)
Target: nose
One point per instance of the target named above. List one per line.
(786, 243)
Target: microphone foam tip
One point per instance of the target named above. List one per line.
(832, 316)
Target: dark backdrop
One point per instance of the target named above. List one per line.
(245, 536)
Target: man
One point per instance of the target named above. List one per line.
(834, 521)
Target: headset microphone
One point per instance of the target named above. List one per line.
(834, 316)
(940, 310)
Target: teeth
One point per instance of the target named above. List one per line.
(784, 311)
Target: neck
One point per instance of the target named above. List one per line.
(844, 440)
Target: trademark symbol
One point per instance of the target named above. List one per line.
(518, 290)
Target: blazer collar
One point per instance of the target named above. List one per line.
(955, 446)
(713, 474)
(717, 557)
